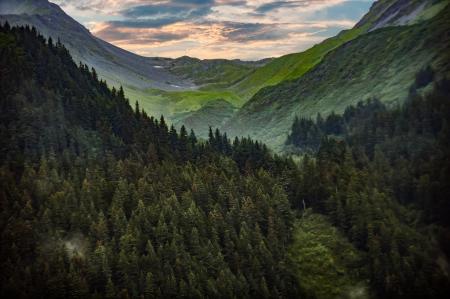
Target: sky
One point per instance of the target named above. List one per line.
(206, 29)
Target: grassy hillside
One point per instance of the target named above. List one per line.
(210, 79)
(379, 64)
(191, 100)
(291, 66)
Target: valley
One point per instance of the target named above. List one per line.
(178, 87)
(320, 174)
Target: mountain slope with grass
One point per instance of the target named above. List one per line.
(179, 87)
(380, 64)
(293, 66)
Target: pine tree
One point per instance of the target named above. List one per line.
(137, 110)
(94, 74)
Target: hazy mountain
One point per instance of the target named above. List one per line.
(144, 79)
(380, 64)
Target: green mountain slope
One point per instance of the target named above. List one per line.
(380, 64)
(291, 66)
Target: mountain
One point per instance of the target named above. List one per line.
(144, 79)
(100, 200)
(290, 66)
(117, 66)
(178, 87)
(293, 66)
(379, 64)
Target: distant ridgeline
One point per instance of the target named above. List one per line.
(101, 201)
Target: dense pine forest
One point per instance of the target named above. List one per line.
(383, 178)
(100, 200)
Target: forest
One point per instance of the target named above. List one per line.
(100, 200)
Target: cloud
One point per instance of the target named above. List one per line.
(162, 13)
(245, 32)
(132, 36)
(165, 13)
(97, 5)
(187, 8)
(248, 29)
(270, 6)
(147, 23)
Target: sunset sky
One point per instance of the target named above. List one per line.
(245, 29)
